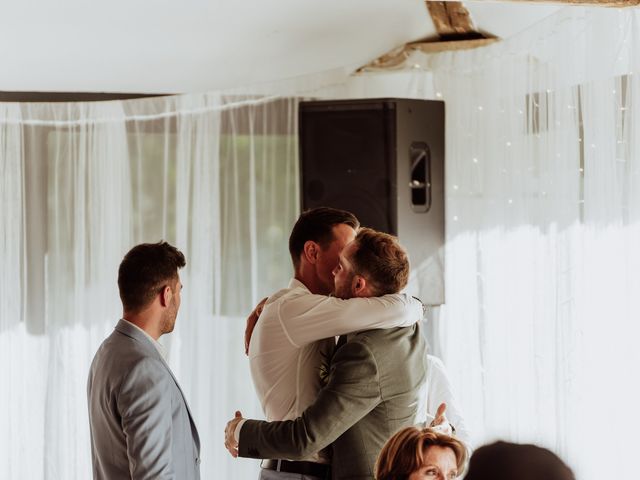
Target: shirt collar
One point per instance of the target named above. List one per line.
(295, 283)
(156, 344)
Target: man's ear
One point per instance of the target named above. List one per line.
(310, 251)
(358, 285)
(165, 296)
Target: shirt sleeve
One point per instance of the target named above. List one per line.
(307, 318)
(236, 432)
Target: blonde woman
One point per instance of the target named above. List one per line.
(421, 454)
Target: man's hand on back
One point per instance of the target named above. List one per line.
(252, 319)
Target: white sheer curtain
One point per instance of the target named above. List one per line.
(81, 183)
(540, 330)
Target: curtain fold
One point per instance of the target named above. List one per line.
(11, 220)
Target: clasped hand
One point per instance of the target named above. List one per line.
(230, 442)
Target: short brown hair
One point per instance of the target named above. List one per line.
(317, 225)
(404, 452)
(381, 260)
(145, 269)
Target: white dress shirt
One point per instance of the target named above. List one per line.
(295, 338)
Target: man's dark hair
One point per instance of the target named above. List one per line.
(317, 225)
(512, 461)
(145, 270)
(381, 260)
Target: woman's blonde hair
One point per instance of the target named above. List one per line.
(404, 452)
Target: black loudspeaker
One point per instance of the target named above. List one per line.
(383, 160)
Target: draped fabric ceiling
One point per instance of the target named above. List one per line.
(199, 45)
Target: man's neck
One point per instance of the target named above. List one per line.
(311, 282)
(144, 322)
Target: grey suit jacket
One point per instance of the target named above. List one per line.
(372, 392)
(141, 426)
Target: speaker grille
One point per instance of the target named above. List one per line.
(346, 152)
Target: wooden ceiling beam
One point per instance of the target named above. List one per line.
(456, 30)
(446, 46)
(452, 20)
(396, 59)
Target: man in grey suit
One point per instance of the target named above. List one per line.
(374, 379)
(141, 426)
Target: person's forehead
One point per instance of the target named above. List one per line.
(439, 454)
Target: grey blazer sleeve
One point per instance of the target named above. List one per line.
(351, 393)
(144, 403)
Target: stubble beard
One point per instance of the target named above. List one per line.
(169, 319)
(344, 291)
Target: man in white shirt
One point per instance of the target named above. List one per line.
(295, 338)
(374, 378)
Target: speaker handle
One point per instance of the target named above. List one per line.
(420, 177)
